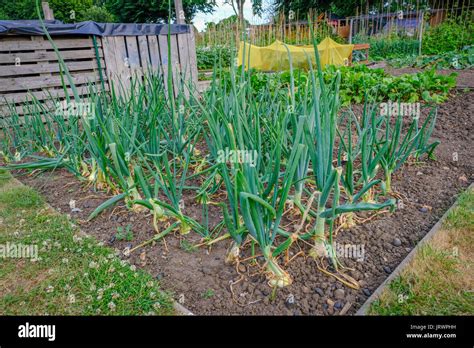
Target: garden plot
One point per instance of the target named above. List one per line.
(191, 244)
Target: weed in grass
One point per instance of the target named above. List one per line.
(74, 275)
(5, 176)
(208, 294)
(21, 198)
(187, 246)
(124, 233)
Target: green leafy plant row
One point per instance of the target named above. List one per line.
(462, 59)
(359, 82)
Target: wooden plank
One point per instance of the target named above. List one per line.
(192, 57)
(27, 38)
(6, 58)
(108, 46)
(28, 108)
(34, 69)
(175, 64)
(144, 53)
(45, 45)
(163, 43)
(154, 50)
(132, 52)
(184, 61)
(28, 83)
(20, 97)
(123, 65)
(133, 57)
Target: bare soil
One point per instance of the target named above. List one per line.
(210, 287)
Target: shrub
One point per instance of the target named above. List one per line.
(207, 56)
(451, 35)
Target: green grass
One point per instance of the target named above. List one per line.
(21, 197)
(4, 176)
(73, 275)
(439, 279)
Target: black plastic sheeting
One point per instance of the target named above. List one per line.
(31, 27)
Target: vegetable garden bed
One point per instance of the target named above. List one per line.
(204, 284)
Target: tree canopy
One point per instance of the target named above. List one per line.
(124, 11)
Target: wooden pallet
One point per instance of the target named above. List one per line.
(29, 66)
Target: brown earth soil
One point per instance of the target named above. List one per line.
(209, 287)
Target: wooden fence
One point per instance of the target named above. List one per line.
(128, 56)
(29, 66)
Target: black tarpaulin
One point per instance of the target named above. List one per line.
(31, 27)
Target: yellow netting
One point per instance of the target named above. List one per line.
(275, 56)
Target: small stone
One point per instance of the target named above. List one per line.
(366, 292)
(424, 209)
(160, 276)
(338, 305)
(306, 290)
(463, 178)
(419, 173)
(319, 291)
(387, 269)
(112, 239)
(339, 294)
(330, 302)
(242, 268)
(397, 242)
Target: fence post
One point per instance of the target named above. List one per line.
(47, 11)
(421, 32)
(178, 7)
(350, 30)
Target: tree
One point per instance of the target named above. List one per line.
(238, 7)
(124, 11)
(68, 11)
(154, 11)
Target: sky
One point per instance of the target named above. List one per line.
(222, 11)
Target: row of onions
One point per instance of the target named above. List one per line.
(150, 147)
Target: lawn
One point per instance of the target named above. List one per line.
(66, 273)
(439, 279)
